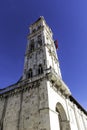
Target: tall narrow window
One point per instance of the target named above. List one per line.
(32, 45)
(40, 40)
(30, 73)
(44, 61)
(34, 30)
(40, 69)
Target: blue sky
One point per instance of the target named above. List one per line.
(68, 21)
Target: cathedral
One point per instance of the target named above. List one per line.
(40, 100)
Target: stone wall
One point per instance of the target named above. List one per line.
(70, 115)
(40, 107)
(26, 110)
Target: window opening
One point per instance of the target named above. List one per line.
(32, 45)
(40, 40)
(39, 27)
(30, 73)
(40, 69)
(44, 61)
(34, 30)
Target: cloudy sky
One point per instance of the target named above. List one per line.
(68, 21)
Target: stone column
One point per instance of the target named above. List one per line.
(76, 116)
(68, 121)
(83, 122)
(67, 108)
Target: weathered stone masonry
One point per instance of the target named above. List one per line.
(40, 100)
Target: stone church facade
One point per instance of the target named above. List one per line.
(40, 100)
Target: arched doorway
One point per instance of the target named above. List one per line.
(63, 121)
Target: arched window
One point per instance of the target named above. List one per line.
(64, 123)
(30, 73)
(40, 69)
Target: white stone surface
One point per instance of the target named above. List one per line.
(41, 102)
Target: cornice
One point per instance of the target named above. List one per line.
(20, 87)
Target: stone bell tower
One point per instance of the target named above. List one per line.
(42, 65)
(40, 100)
(41, 52)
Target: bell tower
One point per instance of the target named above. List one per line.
(42, 72)
(41, 52)
(40, 100)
